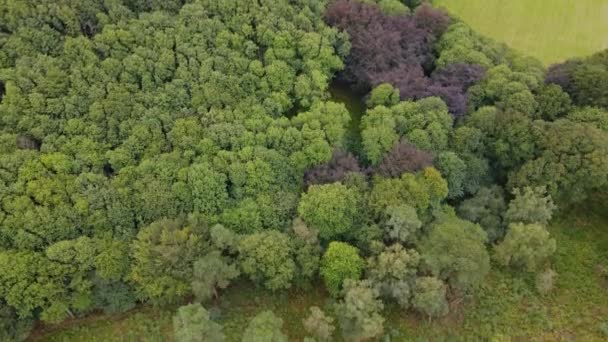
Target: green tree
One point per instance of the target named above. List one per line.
(392, 271)
(454, 170)
(383, 95)
(267, 258)
(455, 251)
(553, 102)
(486, 208)
(265, 327)
(570, 163)
(319, 325)
(191, 323)
(530, 205)
(307, 251)
(421, 191)
(359, 311)
(425, 123)
(595, 116)
(402, 223)
(340, 261)
(13, 328)
(211, 273)
(430, 297)
(163, 255)
(527, 246)
(333, 209)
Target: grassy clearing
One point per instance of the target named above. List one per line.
(551, 30)
(507, 306)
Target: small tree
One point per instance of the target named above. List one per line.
(403, 157)
(453, 170)
(191, 323)
(341, 261)
(526, 246)
(212, 272)
(392, 271)
(265, 327)
(486, 208)
(359, 312)
(331, 208)
(266, 257)
(307, 251)
(530, 205)
(429, 297)
(402, 223)
(163, 254)
(319, 325)
(455, 251)
(383, 95)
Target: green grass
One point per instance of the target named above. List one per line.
(507, 305)
(551, 30)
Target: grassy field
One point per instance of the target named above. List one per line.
(551, 30)
(507, 306)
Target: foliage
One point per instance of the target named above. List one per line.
(425, 124)
(430, 297)
(152, 151)
(340, 261)
(553, 102)
(572, 156)
(383, 95)
(507, 304)
(530, 205)
(455, 251)
(164, 253)
(265, 326)
(267, 258)
(319, 325)
(595, 116)
(402, 223)
(118, 119)
(392, 271)
(359, 311)
(454, 170)
(211, 273)
(527, 246)
(371, 65)
(192, 324)
(420, 191)
(487, 208)
(113, 296)
(339, 167)
(403, 157)
(12, 328)
(307, 251)
(331, 208)
(584, 79)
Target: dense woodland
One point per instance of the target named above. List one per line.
(156, 151)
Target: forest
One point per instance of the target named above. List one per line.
(161, 153)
